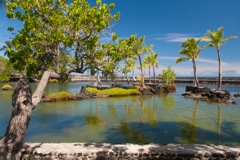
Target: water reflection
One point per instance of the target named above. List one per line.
(168, 101)
(219, 123)
(189, 131)
(165, 118)
(93, 119)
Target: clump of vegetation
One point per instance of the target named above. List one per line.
(168, 76)
(113, 91)
(60, 96)
(7, 87)
(169, 88)
(6, 69)
(53, 81)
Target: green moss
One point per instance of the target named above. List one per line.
(113, 91)
(53, 81)
(60, 96)
(7, 87)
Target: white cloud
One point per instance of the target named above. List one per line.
(176, 37)
(205, 67)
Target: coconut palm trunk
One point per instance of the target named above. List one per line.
(220, 69)
(154, 75)
(133, 75)
(141, 68)
(195, 73)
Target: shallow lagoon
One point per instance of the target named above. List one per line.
(135, 119)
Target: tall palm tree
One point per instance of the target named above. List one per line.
(147, 64)
(131, 63)
(216, 40)
(139, 48)
(151, 60)
(190, 51)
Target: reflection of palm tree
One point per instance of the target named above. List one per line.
(219, 122)
(94, 120)
(168, 101)
(189, 131)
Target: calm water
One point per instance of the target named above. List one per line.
(137, 119)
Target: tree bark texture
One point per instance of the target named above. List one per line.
(11, 143)
(141, 67)
(195, 73)
(23, 102)
(220, 69)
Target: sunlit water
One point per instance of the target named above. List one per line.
(135, 119)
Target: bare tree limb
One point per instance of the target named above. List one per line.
(37, 96)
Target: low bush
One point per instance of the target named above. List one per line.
(113, 91)
(7, 87)
(60, 96)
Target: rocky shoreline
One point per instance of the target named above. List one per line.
(106, 151)
(208, 95)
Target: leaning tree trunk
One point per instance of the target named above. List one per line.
(23, 102)
(21, 113)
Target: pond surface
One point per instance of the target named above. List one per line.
(135, 119)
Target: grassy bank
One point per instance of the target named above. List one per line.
(113, 91)
(60, 96)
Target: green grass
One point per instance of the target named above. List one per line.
(60, 96)
(7, 87)
(53, 81)
(113, 91)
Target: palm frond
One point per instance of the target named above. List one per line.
(182, 59)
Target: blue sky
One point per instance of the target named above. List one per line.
(167, 23)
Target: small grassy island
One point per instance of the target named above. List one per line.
(7, 87)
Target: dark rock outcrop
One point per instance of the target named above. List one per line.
(206, 94)
(237, 95)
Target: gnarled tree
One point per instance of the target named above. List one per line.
(50, 28)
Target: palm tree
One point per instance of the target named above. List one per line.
(139, 48)
(191, 51)
(216, 40)
(151, 60)
(146, 64)
(131, 63)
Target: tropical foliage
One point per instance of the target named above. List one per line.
(191, 51)
(139, 48)
(152, 61)
(216, 39)
(168, 75)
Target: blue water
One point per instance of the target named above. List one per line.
(163, 119)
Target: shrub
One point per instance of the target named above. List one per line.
(168, 76)
(60, 96)
(7, 87)
(113, 91)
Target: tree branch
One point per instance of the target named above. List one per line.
(37, 96)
